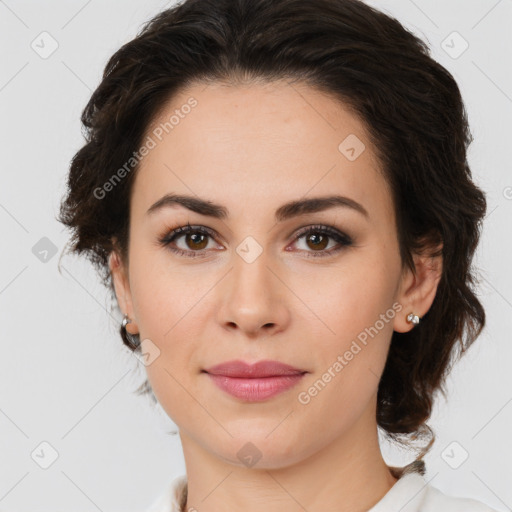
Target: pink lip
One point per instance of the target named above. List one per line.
(256, 382)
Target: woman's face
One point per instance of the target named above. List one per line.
(250, 289)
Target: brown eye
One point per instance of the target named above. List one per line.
(318, 238)
(196, 240)
(316, 241)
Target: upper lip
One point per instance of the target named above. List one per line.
(266, 368)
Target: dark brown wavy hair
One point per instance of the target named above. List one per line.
(410, 104)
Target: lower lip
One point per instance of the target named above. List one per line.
(255, 390)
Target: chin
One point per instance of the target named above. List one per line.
(257, 449)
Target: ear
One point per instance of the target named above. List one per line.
(417, 290)
(122, 286)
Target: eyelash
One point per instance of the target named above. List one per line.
(336, 235)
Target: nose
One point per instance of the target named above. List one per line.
(252, 299)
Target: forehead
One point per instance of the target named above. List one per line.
(267, 143)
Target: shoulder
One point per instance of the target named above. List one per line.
(172, 498)
(436, 501)
(412, 493)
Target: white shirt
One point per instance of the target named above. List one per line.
(411, 493)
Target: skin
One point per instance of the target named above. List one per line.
(252, 148)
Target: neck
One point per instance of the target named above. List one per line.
(348, 474)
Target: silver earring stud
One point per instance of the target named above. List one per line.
(126, 320)
(412, 318)
(133, 339)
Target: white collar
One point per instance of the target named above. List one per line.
(406, 494)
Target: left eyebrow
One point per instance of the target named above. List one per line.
(284, 212)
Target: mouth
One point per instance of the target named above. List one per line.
(256, 382)
(260, 369)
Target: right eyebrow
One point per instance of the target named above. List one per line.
(284, 212)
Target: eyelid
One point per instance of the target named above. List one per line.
(323, 228)
(343, 240)
(170, 234)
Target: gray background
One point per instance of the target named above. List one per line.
(66, 379)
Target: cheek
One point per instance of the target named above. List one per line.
(162, 293)
(355, 305)
(351, 347)
(349, 298)
(167, 305)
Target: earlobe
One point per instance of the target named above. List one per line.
(121, 284)
(417, 291)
